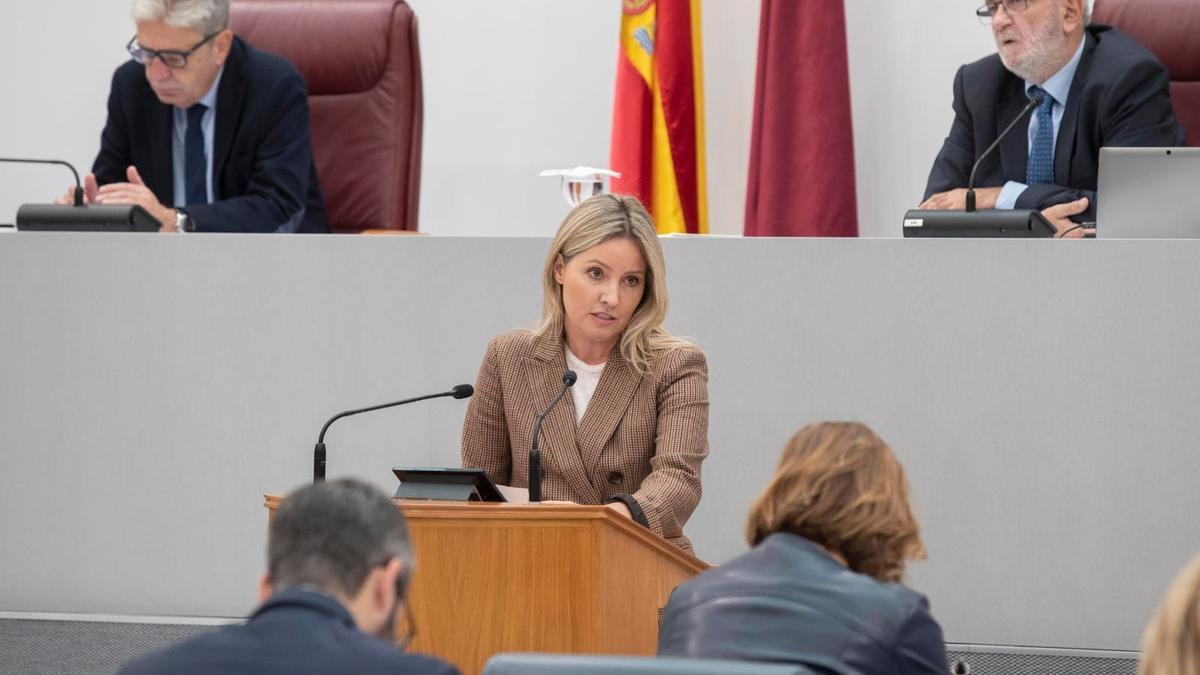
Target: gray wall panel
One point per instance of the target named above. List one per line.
(40, 647)
(1040, 393)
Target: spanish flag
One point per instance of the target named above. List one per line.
(658, 113)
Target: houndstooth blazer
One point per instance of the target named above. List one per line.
(645, 436)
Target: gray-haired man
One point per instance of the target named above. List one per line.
(1097, 87)
(205, 132)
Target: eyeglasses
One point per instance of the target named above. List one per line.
(987, 11)
(171, 58)
(405, 639)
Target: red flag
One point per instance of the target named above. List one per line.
(801, 179)
(658, 113)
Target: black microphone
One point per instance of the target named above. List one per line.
(459, 391)
(990, 223)
(535, 456)
(81, 217)
(78, 185)
(1033, 103)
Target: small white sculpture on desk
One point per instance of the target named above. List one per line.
(582, 182)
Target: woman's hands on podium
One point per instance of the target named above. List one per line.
(615, 506)
(620, 508)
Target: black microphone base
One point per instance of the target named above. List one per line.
(1018, 223)
(91, 218)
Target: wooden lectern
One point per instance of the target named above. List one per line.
(563, 578)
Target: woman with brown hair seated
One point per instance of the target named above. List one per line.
(821, 585)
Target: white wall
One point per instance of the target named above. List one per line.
(58, 57)
(511, 89)
(516, 87)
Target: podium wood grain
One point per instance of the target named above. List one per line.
(547, 578)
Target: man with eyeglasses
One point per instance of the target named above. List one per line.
(338, 562)
(205, 132)
(1098, 88)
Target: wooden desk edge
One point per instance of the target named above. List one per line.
(502, 510)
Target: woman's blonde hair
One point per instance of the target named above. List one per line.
(595, 221)
(839, 486)
(1171, 643)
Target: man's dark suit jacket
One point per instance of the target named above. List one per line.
(263, 171)
(787, 601)
(1119, 97)
(294, 633)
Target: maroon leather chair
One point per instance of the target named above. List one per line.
(362, 63)
(1171, 29)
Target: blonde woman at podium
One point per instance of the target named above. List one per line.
(632, 430)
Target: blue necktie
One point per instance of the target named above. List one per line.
(195, 165)
(1040, 169)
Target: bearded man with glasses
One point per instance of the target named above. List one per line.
(205, 132)
(1098, 87)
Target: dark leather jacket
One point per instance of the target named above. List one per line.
(787, 601)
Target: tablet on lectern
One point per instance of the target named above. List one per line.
(445, 483)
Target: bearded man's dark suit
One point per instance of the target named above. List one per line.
(295, 632)
(1118, 97)
(263, 171)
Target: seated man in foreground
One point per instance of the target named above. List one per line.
(205, 132)
(338, 562)
(1099, 88)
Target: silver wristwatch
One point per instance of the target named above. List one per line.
(184, 222)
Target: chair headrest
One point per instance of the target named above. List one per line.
(1167, 27)
(341, 47)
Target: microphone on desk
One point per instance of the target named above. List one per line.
(988, 223)
(80, 216)
(1029, 107)
(535, 455)
(458, 391)
(78, 185)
